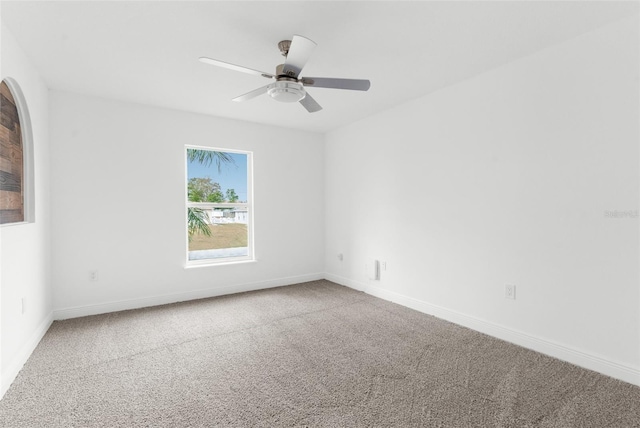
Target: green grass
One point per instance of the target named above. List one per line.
(222, 236)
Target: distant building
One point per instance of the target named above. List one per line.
(235, 215)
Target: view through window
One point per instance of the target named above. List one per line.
(218, 205)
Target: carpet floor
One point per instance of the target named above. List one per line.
(315, 354)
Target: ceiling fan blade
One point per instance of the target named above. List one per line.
(328, 82)
(235, 67)
(299, 53)
(252, 94)
(310, 104)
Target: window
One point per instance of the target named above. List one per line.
(219, 206)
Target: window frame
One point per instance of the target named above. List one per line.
(250, 257)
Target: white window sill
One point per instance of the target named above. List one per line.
(209, 263)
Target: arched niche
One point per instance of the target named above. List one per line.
(16, 156)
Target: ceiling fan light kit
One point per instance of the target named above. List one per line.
(289, 86)
(286, 92)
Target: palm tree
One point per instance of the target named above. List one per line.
(207, 157)
(197, 218)
(197, 222)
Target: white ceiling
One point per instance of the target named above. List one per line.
(146, 52)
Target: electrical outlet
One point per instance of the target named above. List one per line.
(383, 265)
(93, 275)
(340, 257)
(510, 291)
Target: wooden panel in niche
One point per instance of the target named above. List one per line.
(11, 159)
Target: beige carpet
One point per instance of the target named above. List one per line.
(314, 354)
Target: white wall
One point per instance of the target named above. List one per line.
(118, 192)
(505, 178)
(25, 248)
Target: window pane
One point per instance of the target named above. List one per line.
(218, 205)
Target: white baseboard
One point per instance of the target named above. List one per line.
(544, 346)
(346, 282)
(25, 352)
(123, 305)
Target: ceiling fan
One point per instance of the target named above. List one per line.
(289, 86)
